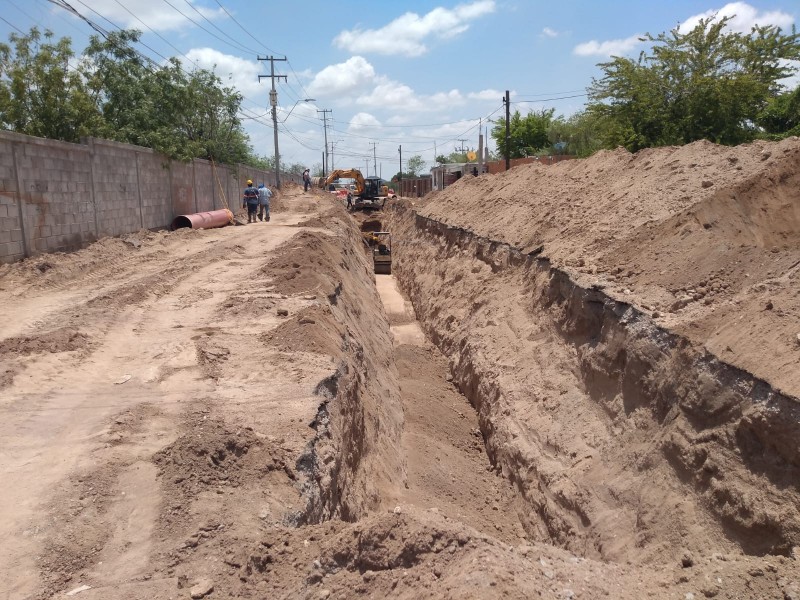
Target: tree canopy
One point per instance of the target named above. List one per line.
(708, 83)
(114, 92)
(527, 134)
(415, 165)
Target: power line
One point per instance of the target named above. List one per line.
(214, 25)
(12, 25)
(156, 33)
(548, 99)
(245, 30)
(211, 33)
(547, 94)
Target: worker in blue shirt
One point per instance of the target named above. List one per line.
(250, 201)
(264, 194)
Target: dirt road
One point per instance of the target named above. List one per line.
(111, 350)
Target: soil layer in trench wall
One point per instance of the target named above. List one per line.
(625, 441)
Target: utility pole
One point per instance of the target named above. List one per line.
(462, 149)
(325, 112)
(273, 100)
(400, 176)
(374, 159)
(507, 102)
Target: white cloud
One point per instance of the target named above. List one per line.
(351, 76)
(234, 71)
(406, 35)
(157, 14)
(607, 48)
(744, 18)
(363, 122)
(396, 96)
(487, 95)
(551, 33)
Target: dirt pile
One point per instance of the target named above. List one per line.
(697, 235)
(626, 437)
(64, 339)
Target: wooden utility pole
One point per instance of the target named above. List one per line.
(374, 159)
(325, 112)
(273, 100)
(507, 102)
(400, 176)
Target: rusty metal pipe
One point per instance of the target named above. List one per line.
(203, 220)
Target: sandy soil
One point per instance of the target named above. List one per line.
(705, 238)
(250, 412)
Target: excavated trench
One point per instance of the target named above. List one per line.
(391, 429)
(622, 440)
(613, 438)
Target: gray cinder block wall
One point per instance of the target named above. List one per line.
(56, 196)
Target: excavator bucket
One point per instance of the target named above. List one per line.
(383, 268)
(382, 252)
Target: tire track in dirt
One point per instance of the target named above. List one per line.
(56, 416)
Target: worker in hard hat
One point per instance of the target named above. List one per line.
(250, 201)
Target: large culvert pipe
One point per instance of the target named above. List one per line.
(203, 220)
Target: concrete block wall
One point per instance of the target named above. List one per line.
(204, 185)
(154, 187)
(182, 188)
(116, 188)
(53, 187)
(11, 244)
(56, 196)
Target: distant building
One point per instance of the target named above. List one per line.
(444, 175)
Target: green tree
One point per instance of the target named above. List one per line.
(183, 115)
(781, 117)
(708, 83)
(41, 92)
(415, 165)
(527, 135)
(582, 134)
(441, 159)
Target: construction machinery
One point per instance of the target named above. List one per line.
(382, 253)
(367, 192)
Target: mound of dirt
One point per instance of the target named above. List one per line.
(704, 238)
(65, 339)
(211, 454)
(304, 266)
(311, 330)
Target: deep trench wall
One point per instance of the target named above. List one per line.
(353, 460)
(58, 196)
(624, 441)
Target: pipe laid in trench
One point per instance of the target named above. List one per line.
(203, 220)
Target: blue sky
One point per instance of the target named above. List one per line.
(416, 73)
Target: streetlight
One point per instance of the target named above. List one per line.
(295, 106)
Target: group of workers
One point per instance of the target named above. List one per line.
(256, 200)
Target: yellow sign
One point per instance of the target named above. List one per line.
(471, 156)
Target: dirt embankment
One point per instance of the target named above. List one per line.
(704, 238)
(352, 462)
(626, 437)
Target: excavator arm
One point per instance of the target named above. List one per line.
(347, 173)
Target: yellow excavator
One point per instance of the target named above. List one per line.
(368, 192)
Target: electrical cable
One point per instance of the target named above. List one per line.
(10, 24)
(162, 38)
(212, 34)
(244, 29)
(214, 25)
